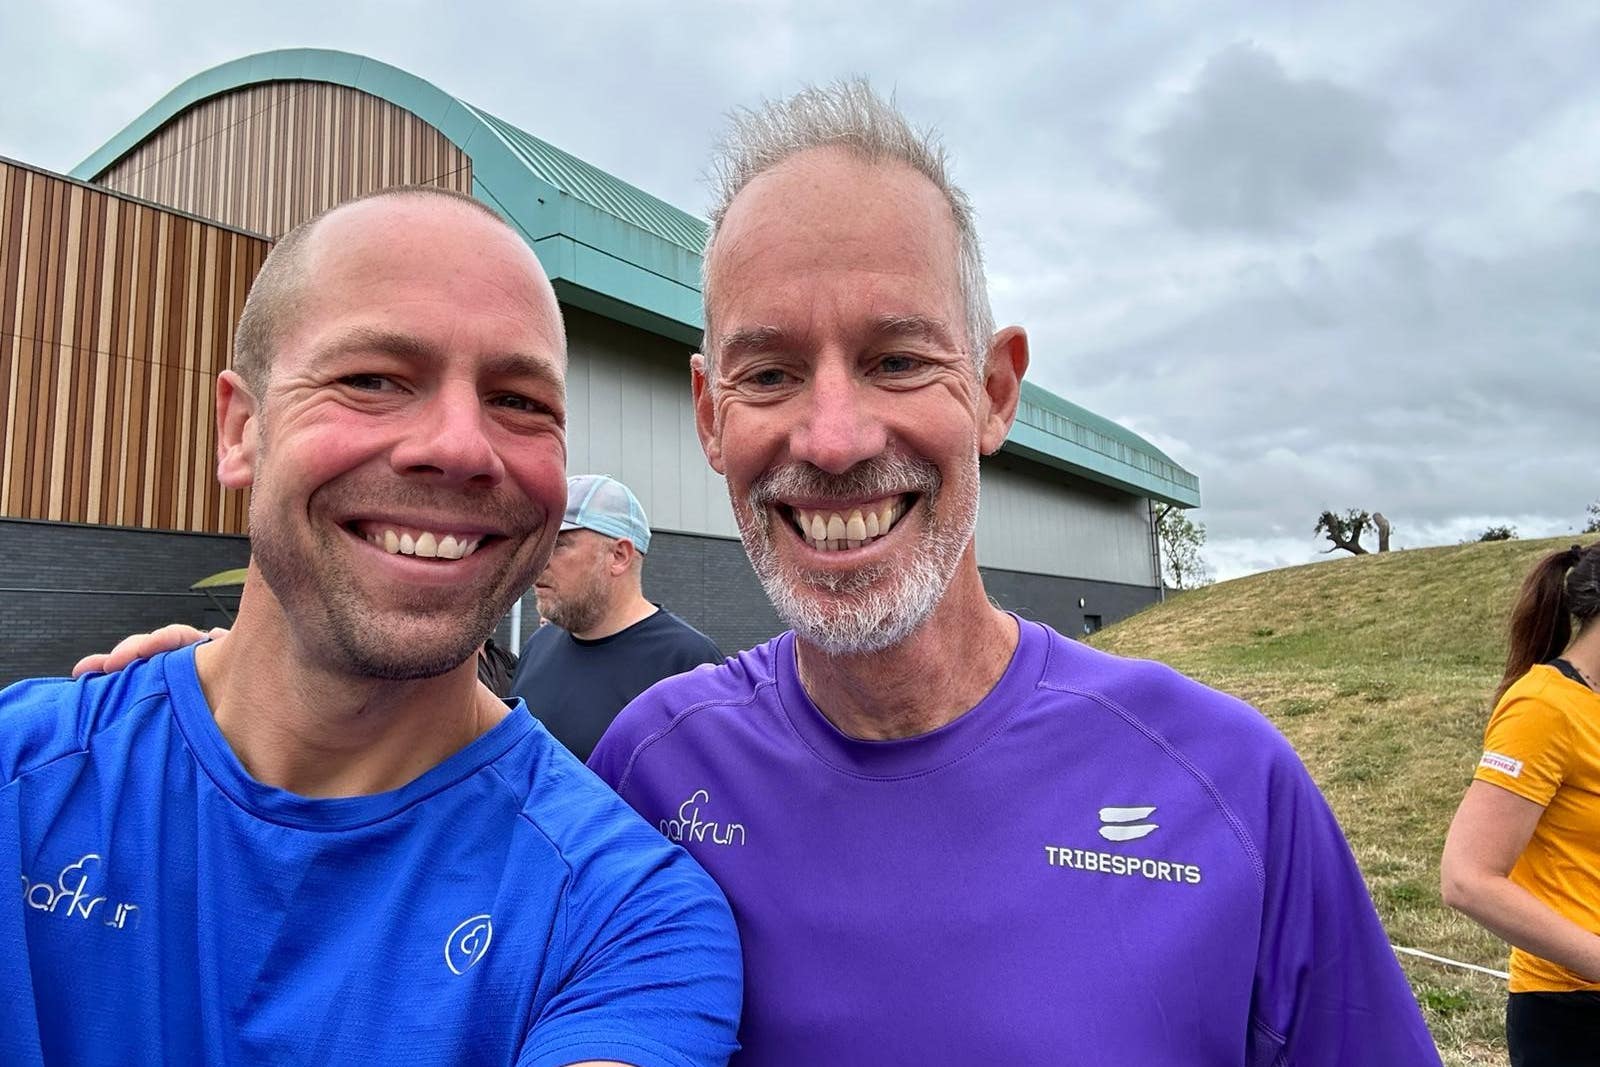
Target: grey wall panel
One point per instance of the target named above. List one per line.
(630, 415)
(1042, 521)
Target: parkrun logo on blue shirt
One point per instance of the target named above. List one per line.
(68, 895)
(689, 828)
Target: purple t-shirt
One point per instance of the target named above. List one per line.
(1103, 862)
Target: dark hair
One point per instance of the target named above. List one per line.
(1564, 586)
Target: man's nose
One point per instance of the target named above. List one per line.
(840, 426)
(450, 439)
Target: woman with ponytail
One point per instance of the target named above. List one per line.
(1523, 853)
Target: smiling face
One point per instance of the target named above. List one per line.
(408, 457)
(841, 403)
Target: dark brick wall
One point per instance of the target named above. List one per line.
(708, 581)
(67, 589)
(1054, 601)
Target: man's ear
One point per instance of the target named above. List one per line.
(237, 433)
(620, 558)
(1002, 386)
(705, 413)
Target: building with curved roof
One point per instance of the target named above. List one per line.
(240, 153)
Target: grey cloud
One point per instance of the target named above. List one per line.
(1250, 148)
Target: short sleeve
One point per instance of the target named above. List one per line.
(1526, 749)
(1328, 990)
(653, 971)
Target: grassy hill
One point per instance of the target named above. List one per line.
(1379, 669)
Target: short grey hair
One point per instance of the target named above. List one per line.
(845, 114)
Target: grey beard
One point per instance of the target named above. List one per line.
(870, 609)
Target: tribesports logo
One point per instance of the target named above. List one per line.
(68, 894)
(1121, 825)
(1125, 824)
(467, 943)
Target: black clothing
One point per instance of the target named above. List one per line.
(577, 687)
(1553, 1029)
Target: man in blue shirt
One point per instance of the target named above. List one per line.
(606, 643)
(320, 840)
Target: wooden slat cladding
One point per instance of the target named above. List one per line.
(115, 319)
(267, 157)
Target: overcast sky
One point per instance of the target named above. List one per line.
(1340, 255)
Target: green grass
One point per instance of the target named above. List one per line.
(1379, 669)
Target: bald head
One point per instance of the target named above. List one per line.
(275, 298)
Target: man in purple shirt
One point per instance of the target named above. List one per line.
(950, 835)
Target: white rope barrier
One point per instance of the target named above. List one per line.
(1450, 962)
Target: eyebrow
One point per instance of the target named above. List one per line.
(912, 327)
(756, 340)
(407, 347)
(753, 340)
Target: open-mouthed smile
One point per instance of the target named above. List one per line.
(837, 529)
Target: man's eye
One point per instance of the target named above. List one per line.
(898, 364)
(372, 383)
(518, 402)
(767, 378)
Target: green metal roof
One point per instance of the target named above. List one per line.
(614, 249)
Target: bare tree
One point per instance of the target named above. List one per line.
(1345, 531)
(1382, 525)
(1594, 518)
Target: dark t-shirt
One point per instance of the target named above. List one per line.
(576, 687)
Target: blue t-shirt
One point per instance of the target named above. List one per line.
(1102, 864)
(503, 908)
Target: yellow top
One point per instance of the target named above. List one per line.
(1543, 744)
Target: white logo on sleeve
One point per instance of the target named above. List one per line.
(1494, 761)
(1126, 824)
(467, 943)
(689, 828)
(69, 895)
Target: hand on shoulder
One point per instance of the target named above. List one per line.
(143, 646)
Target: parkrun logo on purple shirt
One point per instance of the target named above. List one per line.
(1122, 825)
(689, 828)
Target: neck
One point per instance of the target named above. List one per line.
(928, 680)
(1584, 653)
(627, 608)
(314, 730)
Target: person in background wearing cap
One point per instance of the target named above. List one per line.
(607, 643)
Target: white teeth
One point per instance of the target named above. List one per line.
(834, 532)
(426, 545)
